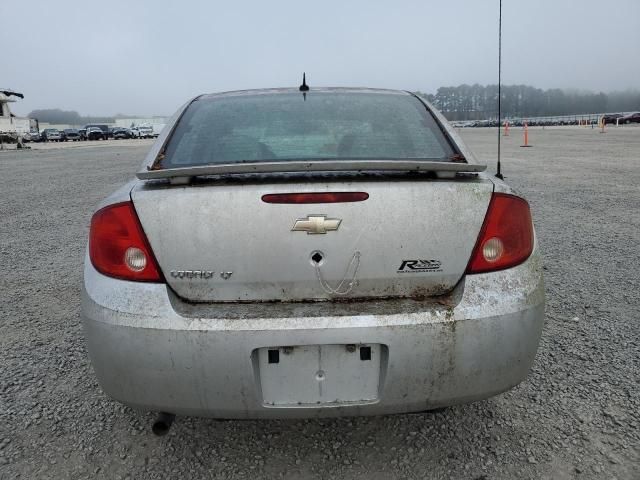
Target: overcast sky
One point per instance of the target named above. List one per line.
(148, 57)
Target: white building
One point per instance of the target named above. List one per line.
(137, 121)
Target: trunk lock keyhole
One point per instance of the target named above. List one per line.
(317, 258)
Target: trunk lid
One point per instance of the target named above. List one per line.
(220, 242)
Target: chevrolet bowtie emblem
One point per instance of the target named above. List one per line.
(316, 224)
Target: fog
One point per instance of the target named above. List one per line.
(148, 57)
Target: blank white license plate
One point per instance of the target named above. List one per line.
(316, 375)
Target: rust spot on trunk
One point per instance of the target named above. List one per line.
(458, 158)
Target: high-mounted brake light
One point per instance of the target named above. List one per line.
(118, 246)
(506, 238)
(315, 197)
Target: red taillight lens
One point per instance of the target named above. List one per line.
(118, 246)
(506, 238)
(315, 197)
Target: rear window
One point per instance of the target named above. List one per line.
(286, 126)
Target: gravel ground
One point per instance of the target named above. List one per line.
(576, 416)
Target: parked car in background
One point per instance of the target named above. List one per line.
(31, 137)
(360, 262)
(121, 133)
(104, 128)
(630, 118)
(83, 133)
(95, 133)
(71, 134)
(611, 118)
(143, 131)
(51, 135)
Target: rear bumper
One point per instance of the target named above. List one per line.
(152, 352)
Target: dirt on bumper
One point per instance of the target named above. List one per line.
(154, 352)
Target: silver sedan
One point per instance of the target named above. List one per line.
(300, 254)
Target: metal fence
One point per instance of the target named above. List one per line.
(576, 119)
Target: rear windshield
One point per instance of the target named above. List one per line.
(286, 126)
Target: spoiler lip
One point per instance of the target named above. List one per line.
(310, 166)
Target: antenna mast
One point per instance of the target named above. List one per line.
(304, 88)
(499, 172)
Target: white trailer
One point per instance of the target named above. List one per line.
(11, 127)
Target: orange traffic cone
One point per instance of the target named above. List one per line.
(526, 136)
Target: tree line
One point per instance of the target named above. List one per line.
(478, 102)
(66, 117)
(466, 102)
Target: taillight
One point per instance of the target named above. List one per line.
(506, 238)
(118, 246)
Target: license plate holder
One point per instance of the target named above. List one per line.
(319, 375)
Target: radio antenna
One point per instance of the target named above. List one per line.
(499, 172)
(304, 88)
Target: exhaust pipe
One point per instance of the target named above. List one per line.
(162, 424)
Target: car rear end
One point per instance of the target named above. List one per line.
(316, 277)
(146, 131)
(104, 131)
(72, 135)
(121, 133)
(95, 133)
(52, 135)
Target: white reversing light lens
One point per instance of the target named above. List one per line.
(135, 259)
(492, 249)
